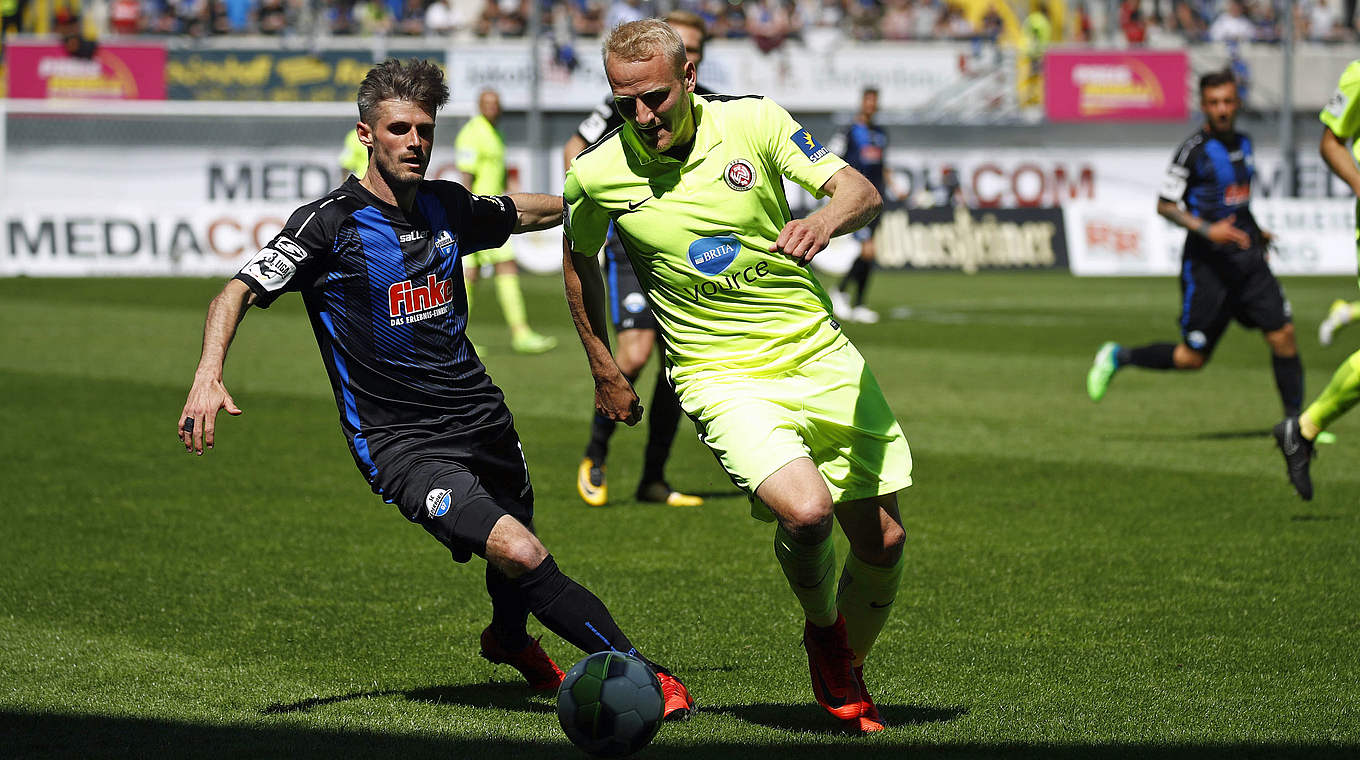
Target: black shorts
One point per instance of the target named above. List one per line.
(628, 306)
(1216, 289)
(457, 491)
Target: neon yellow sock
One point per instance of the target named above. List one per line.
(512, 301)
(810, 570)
(1338, 397)
(865, 598)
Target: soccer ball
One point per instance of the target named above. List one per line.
(610, 704)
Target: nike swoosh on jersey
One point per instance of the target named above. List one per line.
(635, 205)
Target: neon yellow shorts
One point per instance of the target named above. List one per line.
(489, 257)
(830, 410)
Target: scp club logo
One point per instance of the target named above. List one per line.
(408, 302)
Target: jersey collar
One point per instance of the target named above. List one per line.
(706, 138)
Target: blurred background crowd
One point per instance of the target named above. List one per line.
(768, 24)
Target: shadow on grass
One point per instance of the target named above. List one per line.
(814, 719)
(41, 735)
(497, 695)
(1206, 435)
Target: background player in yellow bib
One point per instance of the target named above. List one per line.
(1296, 435)
(694, 188)
(481, 158)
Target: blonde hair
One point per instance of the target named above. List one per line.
(641, 40)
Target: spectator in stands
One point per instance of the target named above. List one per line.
(768, 24)
(272, 18)
(624, 11)
(1131, 22)
(1320, 21)
(1233, 24)
(439, 19)
(954, 25)
(899, 20)
(125, 17)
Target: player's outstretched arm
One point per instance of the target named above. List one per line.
(854, 203)
(537, 211)
(1338, 158)
(614, 395)
(1220, 232)
(196, 424)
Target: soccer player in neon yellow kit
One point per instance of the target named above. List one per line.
(1296, 435)
(481, 159)
(694, 188)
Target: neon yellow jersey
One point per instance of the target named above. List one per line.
(698, 234)
(1342, 112)
(354, 156)
(481, 153)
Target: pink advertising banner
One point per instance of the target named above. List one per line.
(114, 72)
(1123, 85)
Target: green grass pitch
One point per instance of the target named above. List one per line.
(1127, 579)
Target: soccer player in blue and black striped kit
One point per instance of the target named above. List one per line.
(377, 262)
(1224, 274)
(864, 145)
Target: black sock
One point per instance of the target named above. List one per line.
(509, 611)
(1151, 356)
(664, 418)
(858, 274)
(1289, 381)
(569, 610)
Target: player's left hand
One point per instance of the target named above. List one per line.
(801, 239)
(616, 400)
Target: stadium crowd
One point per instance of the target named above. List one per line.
(767, 23)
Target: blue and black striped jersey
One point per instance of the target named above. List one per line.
(384, 290)
(1212, 176)
(863, 146)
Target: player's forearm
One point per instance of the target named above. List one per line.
(1182, 218)
(585, 299)
(854, 202)
(225, 313)
(1338, 158)
(537, 211)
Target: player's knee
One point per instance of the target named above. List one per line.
(1282, 341)
(809, 522)
(517, 557)
(1188, 358)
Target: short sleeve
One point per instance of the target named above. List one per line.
(794, 149)
(586, 225)
(480, 221)
(1342, 112)
(1176, 180)
(289, 261)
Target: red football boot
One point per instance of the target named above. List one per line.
(532, 662)
(679, 705)
(869, 720)
(833, 675)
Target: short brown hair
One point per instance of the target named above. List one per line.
(418, 81)
(640, 40)
(1216, 79)
(689, 19)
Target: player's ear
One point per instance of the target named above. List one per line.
(365, 134)
(691, 76)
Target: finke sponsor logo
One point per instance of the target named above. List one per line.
(407, 302)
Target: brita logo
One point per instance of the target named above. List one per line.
(713, 255)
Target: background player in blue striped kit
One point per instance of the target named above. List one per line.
(377, 263)
(1224, 274)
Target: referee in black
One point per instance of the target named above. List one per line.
(1224, 273)
(377, 264)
